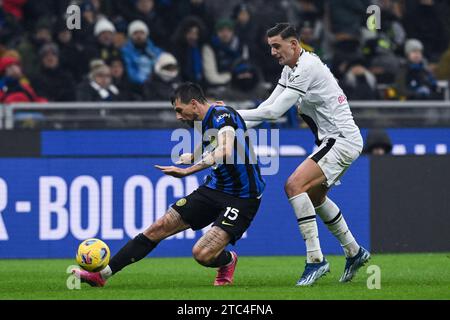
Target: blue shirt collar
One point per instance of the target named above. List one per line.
(208, 114)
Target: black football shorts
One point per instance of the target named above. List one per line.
(205, 206)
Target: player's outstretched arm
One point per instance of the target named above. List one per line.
(275, 93)
(190, 158)
(274, 110)
(221, 153)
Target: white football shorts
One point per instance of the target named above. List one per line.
(335, 155)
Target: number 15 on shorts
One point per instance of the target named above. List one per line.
(231, 213)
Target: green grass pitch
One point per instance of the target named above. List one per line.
(406, 276)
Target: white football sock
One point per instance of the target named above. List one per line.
(106, 273)
(306, 217)
(331, 215)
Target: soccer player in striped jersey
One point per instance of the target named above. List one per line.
(229, 198)
(308, 83)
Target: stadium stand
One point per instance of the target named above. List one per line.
(115, 56)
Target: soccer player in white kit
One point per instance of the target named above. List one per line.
(308, 83)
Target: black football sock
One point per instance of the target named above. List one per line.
(222, 259)
(135, 250)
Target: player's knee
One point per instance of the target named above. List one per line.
(203, 256)
(294, 187)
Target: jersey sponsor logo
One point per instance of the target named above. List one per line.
(342, 99)
(223, 116)
(181, 202)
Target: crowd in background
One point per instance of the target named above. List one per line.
(139, 50)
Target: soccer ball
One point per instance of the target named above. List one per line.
(93, 255)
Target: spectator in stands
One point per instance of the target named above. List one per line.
(347, 18)
(382, 61)
(15, 8)
(381, 47)
(225, 50)
(98, 87)
(307, 15)
(71, 54)
(359, 83)
(139, 54)
(187, 45)
(117, 18)
(48, 9)
(309, 41)
(392, 27)
(263, 59)
(378, 143)
(424, 21)
(53, 82)
(13, 90)
(200, 9)
(342, 59)
(415, 81)
(443, 69)
(102, 7)
(103, 48)
(9, 27)
(164, 80)
(306, 10)
(246, 83)
(269, 12)
(89, 11)
(121, 81)
(10, 53)
(29, 47)
(246, 28)
(146, 12)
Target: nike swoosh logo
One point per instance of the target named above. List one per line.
(227, 224)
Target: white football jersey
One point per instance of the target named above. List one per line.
(322, 103)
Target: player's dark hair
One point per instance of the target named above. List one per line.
(284, 30)
(188, 91)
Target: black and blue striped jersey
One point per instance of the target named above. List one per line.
(242, 178)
